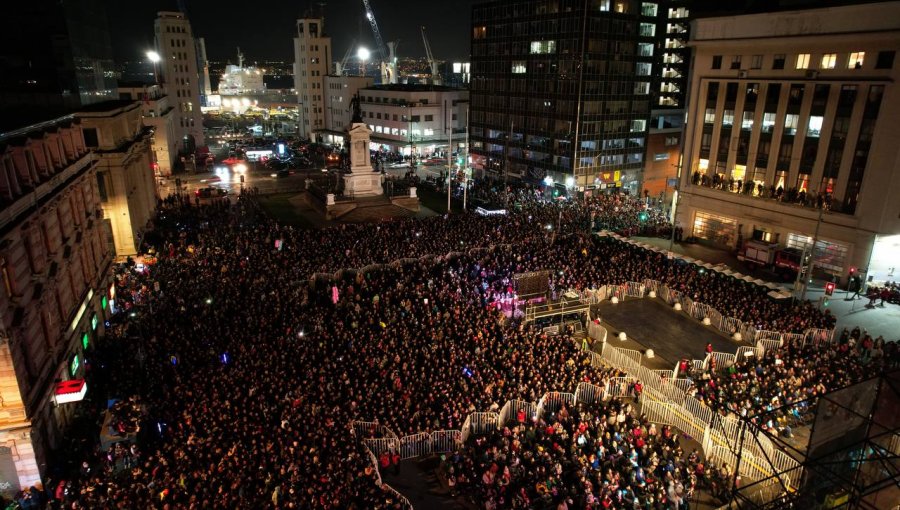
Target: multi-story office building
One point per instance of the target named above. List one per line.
(312, 63)
(181, 79)
(339, 91)
(54, 258)
(56, 57)
(793, 132)
(669, 89)
(126, 186)
(564, 88)
(415, 119)
(160, 116)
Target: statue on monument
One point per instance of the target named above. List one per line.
(357, 113)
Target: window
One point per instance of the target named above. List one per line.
(429, 118)
(747, 121)
(480, 33)
(661, 156)
(856, 60)
(638, 125)
(768, 122)
(803, 61)
(756, 62)
(736, 62)
(885, 60)
(518, 67)
(643, 69)
(645, 49)
(429, 132)
(728, 118)
(642, 87)
(648, 30)
(648, 9)
(415, 118)
(829, 60)
(790, 124)
(91, 138)
(815, 126)
(671, 140)
(778, 61)
(717, 62)
(543, 47)
(710, 116)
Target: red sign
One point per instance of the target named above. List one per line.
(72, 390)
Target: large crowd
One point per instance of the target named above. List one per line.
(249, 373)
(779, 389)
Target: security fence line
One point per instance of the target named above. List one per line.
(447, 441)
(665, 402)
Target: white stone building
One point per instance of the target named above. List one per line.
(415, 118)
(792, 114)
(159, 114)
(339, 91)
(181, 78)
(312, 62)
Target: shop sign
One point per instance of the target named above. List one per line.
(70, 391)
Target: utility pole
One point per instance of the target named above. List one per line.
(506, 163)
(449, 164)
(812, 256)
(675, 198)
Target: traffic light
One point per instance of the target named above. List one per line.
(829, 288)
(825, 302)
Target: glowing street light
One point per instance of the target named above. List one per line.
(154, 57)
(363, 54)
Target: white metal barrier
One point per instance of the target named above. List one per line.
(634, 289)
(553, 401)
(730, 325)
(443, 441)
(589, 393)
(723, 360)
(652, 285)
(416, 445)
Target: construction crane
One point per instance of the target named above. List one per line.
(435, 75)
(340, 67)
(388, 59)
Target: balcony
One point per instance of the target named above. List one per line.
(757, 191)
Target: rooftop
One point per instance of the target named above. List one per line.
(106, 106)
(404, 87)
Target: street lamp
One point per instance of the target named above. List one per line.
(154, 57)
(363, 54)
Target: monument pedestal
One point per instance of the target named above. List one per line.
(363, 180)
(364, 184)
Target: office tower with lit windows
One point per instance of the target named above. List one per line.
(563, 90)
(176, 47)
(792, 134)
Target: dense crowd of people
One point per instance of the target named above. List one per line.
(599, 456)
(249, 373)
(779, 389)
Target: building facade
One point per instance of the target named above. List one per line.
(159, 115)
(126, 186)
(312, 63)
(793, 133)
(180, 78)
(56, 57)
(671, 65)
(203, 74)
(415, 119)
(55, 256)
(339, 91)
(564, 89)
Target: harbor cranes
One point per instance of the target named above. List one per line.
(435, 75)
(388, 57)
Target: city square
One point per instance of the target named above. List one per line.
(524, 254)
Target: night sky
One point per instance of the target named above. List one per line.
(265, 29)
